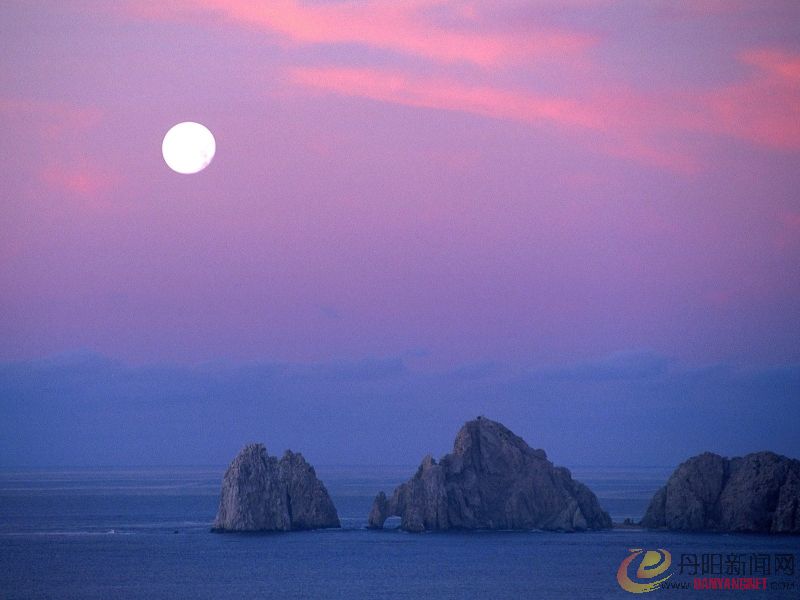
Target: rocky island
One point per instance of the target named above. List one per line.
(491, 480)
(759, 492)
(262, 493)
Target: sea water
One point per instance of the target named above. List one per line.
(144, 533)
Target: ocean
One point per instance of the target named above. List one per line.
(144, 533)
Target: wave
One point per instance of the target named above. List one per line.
(65, 533)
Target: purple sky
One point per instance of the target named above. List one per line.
(504, 190)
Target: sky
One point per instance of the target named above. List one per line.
(579, 218)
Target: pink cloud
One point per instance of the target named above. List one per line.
(401, 27)
(58, 131)
(81, 180)
(51, 120)
(617, 121)
(402, 88)
(783, 64)
(658, 129)
(765, 108)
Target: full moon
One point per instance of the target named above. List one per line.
(188, 147)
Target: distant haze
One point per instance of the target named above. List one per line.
(631, 409)
(581, 219)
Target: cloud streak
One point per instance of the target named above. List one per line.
(620, 125)
(83, 180)
(401, 88)
(764, 108)
(431, 53)
(406, 28)
(53, 121)
(61, 131)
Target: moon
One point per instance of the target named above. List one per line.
(188, 147)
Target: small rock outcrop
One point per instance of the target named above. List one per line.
(262, 493)
(759, 492)
(492, 480)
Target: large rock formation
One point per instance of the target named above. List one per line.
(758, 493)
(262, 493)
(492, 480)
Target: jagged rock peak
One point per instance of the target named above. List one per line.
(262, 493)
(491, 480)
(482, 438)
(759, 492)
